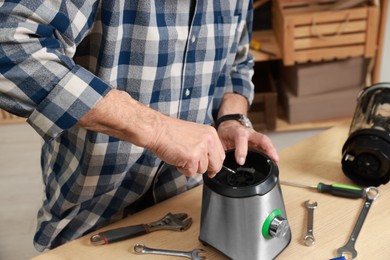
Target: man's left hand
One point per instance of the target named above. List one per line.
(234, 135)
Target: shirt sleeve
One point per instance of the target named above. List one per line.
(38, 77)
(239, 78)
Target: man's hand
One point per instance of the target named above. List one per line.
(192, 148)
(236, 136)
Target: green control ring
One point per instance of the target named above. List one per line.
(267, 223)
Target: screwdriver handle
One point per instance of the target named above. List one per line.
(342, 190)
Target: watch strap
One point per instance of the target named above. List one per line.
(238, 117)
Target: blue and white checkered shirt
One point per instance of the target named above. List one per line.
(59, 58)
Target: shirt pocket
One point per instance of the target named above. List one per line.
(226, 36)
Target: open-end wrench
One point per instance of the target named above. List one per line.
(309, 239)
(194, 254)
(349, 248)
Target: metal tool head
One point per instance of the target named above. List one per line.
(178, 222)
(309, 240)
(372, 193)
(97, 240)
(310, 205)
(348, 251)
(195, 254)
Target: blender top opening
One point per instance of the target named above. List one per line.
(257, 176)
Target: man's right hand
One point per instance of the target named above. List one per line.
(192, 148)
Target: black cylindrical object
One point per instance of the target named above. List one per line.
(366, 153)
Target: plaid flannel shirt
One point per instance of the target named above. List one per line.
(59, 58)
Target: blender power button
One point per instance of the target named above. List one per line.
(275, 225)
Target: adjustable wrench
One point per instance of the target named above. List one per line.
(175, 222)
(349, 247)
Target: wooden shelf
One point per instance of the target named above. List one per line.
(268, 44)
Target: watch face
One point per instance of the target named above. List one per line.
(246, 122)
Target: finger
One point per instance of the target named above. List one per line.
(214, 167)
(185, 172)
(264, 143)
(203, 164)
(241, 151)
(189, 170)
(215, 160)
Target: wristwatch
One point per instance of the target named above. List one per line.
(239, 117)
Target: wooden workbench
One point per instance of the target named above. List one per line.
(314, 160)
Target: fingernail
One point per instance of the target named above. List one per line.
(211, 175)
(241, 160)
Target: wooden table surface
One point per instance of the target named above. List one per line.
(313, 160)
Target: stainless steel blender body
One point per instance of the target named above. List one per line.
(243, 213)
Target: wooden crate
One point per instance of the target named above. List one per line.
(309, 31)
(7, 118)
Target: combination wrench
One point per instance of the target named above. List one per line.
(348, 249)
(194, 254)
(309, 239)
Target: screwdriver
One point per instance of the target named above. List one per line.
(341, 190)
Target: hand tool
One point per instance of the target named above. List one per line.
(256, 45)
(349, 247)
(309, 239)
(228, 169)
(334, 189)
(194, 254)
(176, 222)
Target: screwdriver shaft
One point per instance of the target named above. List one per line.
(298, 184)
(228, 169)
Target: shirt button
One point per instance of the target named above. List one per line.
(188, 92)
(193, 38)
